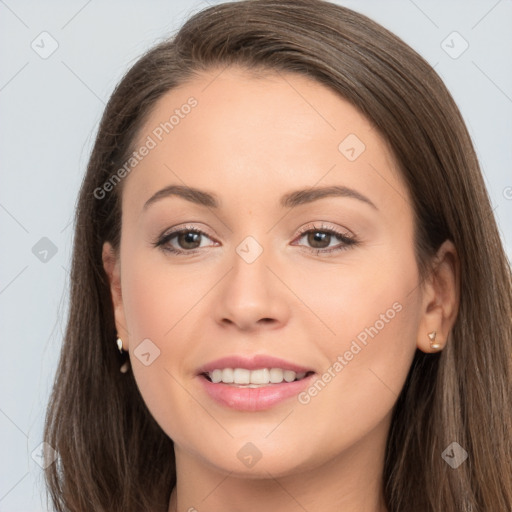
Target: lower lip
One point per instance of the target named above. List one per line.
(254, 399)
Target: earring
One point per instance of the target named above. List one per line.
(126, 364)
(432, 336)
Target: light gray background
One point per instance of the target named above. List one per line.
(50, 111)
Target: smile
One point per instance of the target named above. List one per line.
(244, 377)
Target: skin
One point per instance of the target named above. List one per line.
(251, 140)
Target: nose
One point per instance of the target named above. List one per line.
(251, 296)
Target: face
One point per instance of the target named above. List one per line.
(293, 258)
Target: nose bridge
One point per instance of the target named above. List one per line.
(250, 276)
(251, 293)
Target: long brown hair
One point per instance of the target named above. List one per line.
(112, 454)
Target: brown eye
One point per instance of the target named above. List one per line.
(319, 239)
(188, 239)
(182, 241)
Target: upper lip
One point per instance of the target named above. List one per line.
(251, 363)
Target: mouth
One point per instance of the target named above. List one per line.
(258, 378)
(254, 383)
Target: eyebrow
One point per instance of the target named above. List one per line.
(290, 200)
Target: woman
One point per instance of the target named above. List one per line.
(284, 242)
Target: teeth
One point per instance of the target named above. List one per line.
(216, 376)
(242, 376)
(260, 376)
(276, 375)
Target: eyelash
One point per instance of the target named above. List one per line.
(347, 241)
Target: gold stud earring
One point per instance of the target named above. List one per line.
(432, 336)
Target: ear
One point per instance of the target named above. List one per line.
(112, 266)
(440, 303)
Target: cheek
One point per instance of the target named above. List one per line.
(156, 295)
(159, 308)
(354, 397)
(373, 311)
(364, 296)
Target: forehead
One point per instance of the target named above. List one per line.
(235, 98)
(274, 130)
